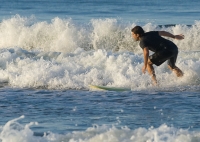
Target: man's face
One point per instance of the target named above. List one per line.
(135, 36)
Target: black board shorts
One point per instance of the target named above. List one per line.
(168, 53)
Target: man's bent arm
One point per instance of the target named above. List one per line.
(167, 34)
(146, 56)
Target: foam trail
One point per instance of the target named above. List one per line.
(13, 131)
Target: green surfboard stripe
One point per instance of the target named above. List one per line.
(109, 88)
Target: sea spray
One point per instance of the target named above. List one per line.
(62, 55)
(63, 35)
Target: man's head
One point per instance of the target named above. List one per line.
(137, 32)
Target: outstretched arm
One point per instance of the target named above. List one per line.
(167, 34)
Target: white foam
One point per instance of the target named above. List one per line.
(62, 35)
(13, 131)
(79, 69)
(62, 55)
(59, 35)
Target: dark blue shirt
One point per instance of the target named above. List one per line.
(154, 41)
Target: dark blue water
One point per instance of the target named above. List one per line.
(82, 11)
(66, 111)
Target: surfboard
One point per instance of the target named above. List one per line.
(96, 87)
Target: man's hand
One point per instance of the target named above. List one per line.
(179, 37)
(144, 69)
(167, 34)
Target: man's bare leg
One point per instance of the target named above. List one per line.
(177, 71)
(151, 72)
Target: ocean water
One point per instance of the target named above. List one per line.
(51, 51)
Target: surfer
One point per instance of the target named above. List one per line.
(163, 50)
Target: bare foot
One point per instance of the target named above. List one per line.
(177, 71)
(154, 81)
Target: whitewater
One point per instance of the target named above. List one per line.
(62, 55)
(99, 134)
(51, 51)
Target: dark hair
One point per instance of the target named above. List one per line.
(138, 30)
